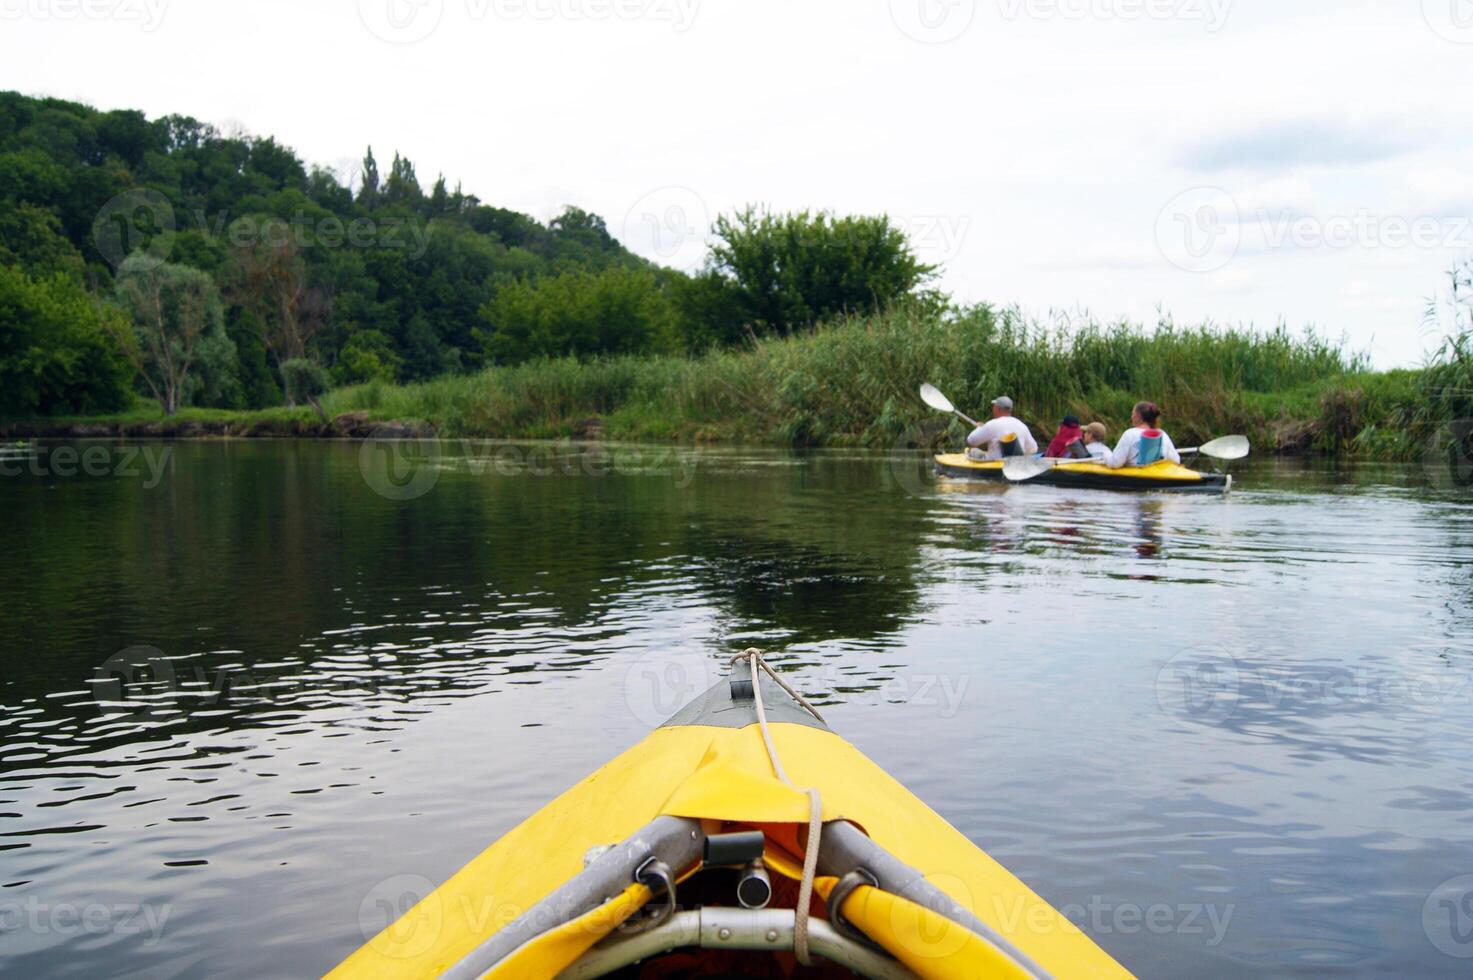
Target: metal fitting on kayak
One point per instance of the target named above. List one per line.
(754, 889)
(742, 849)
(655, 875)
(733, 850)
(837, 897)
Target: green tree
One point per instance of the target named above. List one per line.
(402, 187)
(305, 380)
(617, 311)
(177, 341)
(368, 190)
(411, 266)
(32, 238)
(273, 283)
(367, 356)
(56, 351)
(790, 271)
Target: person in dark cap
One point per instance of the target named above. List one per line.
(1069, 433)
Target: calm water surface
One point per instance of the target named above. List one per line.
(242, 686)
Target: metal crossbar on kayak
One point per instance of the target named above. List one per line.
(765, 930)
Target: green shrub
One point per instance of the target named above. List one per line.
(57, 354)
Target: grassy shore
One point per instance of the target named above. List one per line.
(854, 384)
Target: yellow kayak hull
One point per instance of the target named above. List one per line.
(1163, 475)
(719, 773)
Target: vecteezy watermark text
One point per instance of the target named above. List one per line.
(1210, 686)
(35, 916)
(406, 235)
(145, 462)
(1202, 229)
(1099, 917)
(144, 219)
(148, 14)
(1212, 14)
(410, 21)
(404, 460)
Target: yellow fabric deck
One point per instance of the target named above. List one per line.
(723, 774)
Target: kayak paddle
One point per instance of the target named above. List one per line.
(1228, 447)
(1020, 468)
(931, 396)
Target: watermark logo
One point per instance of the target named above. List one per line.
(1203, 229)
(395, 918)
(408, 235)
(1199, 684)
(670, 224)
(143, 222)
(933, 21)
(1451, 20)
(401, 21)
(1102, 918)
(137, 681)
(911, 459)
(680, 14)
(1448, 458)
(148, 463)
(148, 14)
(1211, 687)
(143, 921)
(1199, 230)
(401, 460)
(658, 684)
(1362, 229)
(411, 21)
(937, 237)
(140, 219)
(943, 694)
(1447, 917)
(1212, 14)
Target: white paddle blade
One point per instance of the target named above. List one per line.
(1228, 447)
(933, 397)
(1020, 468)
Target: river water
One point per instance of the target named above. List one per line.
(250, 689)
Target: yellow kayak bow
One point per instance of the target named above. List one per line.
(682, 857)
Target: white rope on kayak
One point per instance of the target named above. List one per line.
(751, 652)
(815, 808)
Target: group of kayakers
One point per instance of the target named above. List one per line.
(1140, 445)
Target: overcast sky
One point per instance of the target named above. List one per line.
(1247, 161)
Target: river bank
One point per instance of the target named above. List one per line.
(854, 384)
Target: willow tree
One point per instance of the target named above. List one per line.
(177, 335)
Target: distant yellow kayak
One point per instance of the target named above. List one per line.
(685, 856)
(1162, 475)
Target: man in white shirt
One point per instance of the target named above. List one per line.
(1143, 443)
(1003, 428)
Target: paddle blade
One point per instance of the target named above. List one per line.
(933, 397)
(1228, 447)
(1020, 468)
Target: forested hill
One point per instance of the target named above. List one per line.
(386, 281)
(165, 259)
